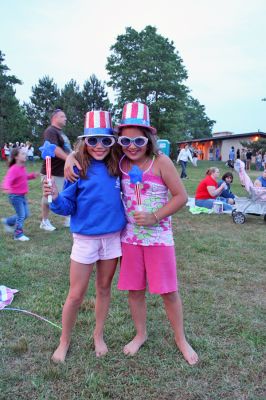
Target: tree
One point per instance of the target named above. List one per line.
(254, 146)
(197, 124)
(146, 67)
(13, 121)
(94, 95)
(71, 102)
(44, 99)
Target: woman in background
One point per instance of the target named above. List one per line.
(208, 190)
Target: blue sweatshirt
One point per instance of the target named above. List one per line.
(262, 181)
(94, 203)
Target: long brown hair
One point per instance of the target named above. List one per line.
(83, 157)
(13, 155)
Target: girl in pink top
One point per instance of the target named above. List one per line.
(15, 183)
(148, 253)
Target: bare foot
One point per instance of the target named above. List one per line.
(100, 346)
(60, 353)
(133, 347)
(189, 354)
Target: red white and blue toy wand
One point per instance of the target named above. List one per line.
(136, 178)
(48, 151)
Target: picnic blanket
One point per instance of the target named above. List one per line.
(201, 210)
(195, 209)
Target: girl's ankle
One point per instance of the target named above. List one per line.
(64, 342)
(18, 233)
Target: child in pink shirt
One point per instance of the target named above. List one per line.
(15, 183)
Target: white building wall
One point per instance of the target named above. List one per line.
(228, 143)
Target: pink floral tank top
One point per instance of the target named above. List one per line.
(154, 195)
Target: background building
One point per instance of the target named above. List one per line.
(218, 146)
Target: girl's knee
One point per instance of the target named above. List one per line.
(75, 299)
(136, 294)
(103, 284)
(171, 297)
(103, 290)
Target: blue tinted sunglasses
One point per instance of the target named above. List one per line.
(106, 141)
(139, 141)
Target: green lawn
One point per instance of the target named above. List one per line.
(222, 282)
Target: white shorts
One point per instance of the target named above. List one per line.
(89, 249)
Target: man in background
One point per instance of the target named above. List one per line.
(232, 155)
(183, 158)
(248, 159)
(55, 135)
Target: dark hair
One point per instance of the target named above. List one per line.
(13, 155)
(152, 148)
(227, 175)
(84, 158)
(55, 112)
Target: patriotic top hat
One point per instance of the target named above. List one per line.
(136, 114)
(97, 123)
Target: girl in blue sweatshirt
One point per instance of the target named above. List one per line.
(97, 217)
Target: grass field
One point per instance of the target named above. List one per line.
(221, 269)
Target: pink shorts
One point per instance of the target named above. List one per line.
(152, 265)
(89, 249)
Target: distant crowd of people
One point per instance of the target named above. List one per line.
(190, 153)
(7, 148)
(246, 156)
(211, 188)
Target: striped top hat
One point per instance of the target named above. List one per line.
(97, 123)
(136, 114)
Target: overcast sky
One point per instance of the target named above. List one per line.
(222, 44)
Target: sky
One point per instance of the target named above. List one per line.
(221, 43)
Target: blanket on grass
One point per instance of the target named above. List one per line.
(201, 210)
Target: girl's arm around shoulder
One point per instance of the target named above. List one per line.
(69, 171)
(171, 178)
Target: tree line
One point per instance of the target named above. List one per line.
(142, 66)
